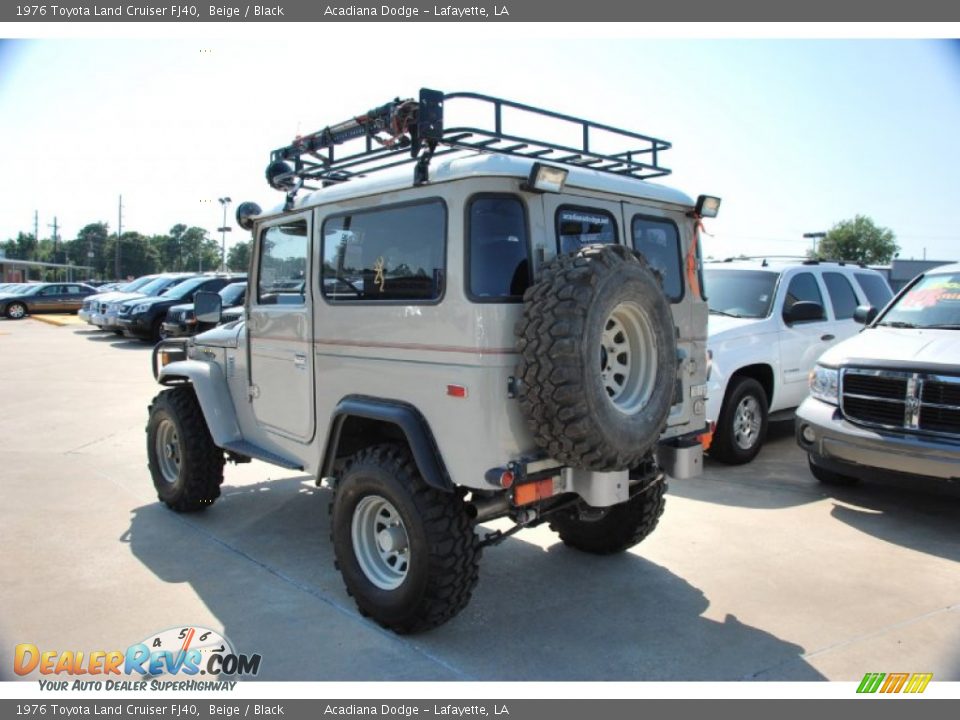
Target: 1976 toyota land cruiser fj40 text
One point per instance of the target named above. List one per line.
(516, 329)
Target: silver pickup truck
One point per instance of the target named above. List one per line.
(888, 400)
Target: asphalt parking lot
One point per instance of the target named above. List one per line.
(755, 573)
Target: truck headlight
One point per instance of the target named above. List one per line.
(140, 309)
(824, 384)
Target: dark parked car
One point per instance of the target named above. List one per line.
(143, 317)
(181, 320)
(44, 297)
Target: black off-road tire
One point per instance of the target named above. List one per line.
(563, 393)
(619, 529)
(829, 477)
(726, 447)
(199, 471)
(443, 552)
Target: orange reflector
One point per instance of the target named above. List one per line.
(506, 479)
(706, 439)
(456, 391)
(164, 358)
(531, 492)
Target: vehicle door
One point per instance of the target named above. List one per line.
(801, 343)
(657, 236)
(47, 299)
(279, 327)
(72, 297)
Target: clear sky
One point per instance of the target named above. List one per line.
(794, 135)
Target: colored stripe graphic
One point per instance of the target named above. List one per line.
(894, 683)
(918, 682)
(870, 682)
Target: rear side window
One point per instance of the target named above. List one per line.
(875, 288)
(803, 288)
(659, 241)
(283, 264)
(499, 252)
(394, 253)
(842, 297)
(577, 227)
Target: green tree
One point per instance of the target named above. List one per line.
(238, 257)
(858, 240)
(137, 255)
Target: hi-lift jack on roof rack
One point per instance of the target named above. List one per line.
(404, 131)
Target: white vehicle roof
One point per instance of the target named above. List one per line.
(483, 165)
(779, 265)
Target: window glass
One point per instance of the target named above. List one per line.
(875, 288)
(283, 264)
(51, 290)
(499, 252)
(933, 302)
(740, 293)
(842, 297)
(803, 288)
(73, 289)
(389, 254)
(577, 227)
(659, 241)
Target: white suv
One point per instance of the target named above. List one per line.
(769, 322)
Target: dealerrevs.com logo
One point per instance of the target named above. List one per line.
(173, 659)
(894, 682)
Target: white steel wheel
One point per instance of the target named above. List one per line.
(628, 358)
(747, 422)
(380, 542)
(168, 451)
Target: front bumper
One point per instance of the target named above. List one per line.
(134, 326)
(176, 329)
(841, 446)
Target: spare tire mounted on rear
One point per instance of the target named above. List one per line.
(597, 358)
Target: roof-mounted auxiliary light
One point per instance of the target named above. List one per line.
(707, 206)
(546, 178)
(246, 211)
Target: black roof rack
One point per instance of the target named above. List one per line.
(404, 131)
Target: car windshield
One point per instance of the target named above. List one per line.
(933, 302)
(31, 289)
(231, 293)
(184, 288)
(740, 293)
(137, 284)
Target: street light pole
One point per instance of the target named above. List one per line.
(223, 235)
(815, 236)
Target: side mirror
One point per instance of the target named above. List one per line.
(803, 311)
(865, 314)
(207, 307)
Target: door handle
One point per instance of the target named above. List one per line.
(827, 337)
(300, 360)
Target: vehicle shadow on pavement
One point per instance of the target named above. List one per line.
(109, 338)
(261, 562)
(920, 516)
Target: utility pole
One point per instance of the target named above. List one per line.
(36, 233)
(54, 226)
(223, 234)
(116, 255)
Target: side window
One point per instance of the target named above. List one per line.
(803, 288)
(394, 253)
(577, 227)
(50, 291)
(282, 275)
(875, 288)
(659, 241)
(72, 289)
(842, 297)
(499, 262)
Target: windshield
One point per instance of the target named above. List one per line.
(232, 293)
(740, 293)
(934, 302)
(184, 288)
(134, 285)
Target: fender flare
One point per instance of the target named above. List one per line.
(411, 422)
(211, 390)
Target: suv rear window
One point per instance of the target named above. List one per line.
(578, 226)
(393, 253)
(875, 288)
(659, 241)
(498, 255)
(842, 297)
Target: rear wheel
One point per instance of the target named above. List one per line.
(742, 425)
(187, 468)
(614, 529)
(407, 552)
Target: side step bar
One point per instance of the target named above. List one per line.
(248, 449)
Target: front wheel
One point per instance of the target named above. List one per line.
(187, 468)
(16, 311)
(407, 552)
(742, 425)
(615, 529)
